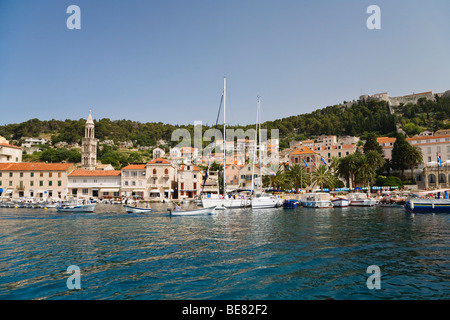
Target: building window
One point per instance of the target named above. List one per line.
(50, 174)
(85, 192)
(41, 174)
(31, 183)
(59, 174)
(32, 174)
(50, 183)
(41, 183)
(59, 183)
(10, 174)
(21, 174)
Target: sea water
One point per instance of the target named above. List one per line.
(232, 255)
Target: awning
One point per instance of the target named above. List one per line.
(109, 189)
(9, 191)
(155, 191)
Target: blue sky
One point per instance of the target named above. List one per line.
(164, 61)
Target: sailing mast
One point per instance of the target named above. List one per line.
(254, 149)
(224, 134)
(259, 133)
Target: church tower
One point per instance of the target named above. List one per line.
(89, 146)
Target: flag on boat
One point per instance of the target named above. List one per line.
(321, 158)
(305, 163)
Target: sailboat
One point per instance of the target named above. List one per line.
(261, 200)
(224, 201)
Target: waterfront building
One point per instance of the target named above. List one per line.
(89, 145)
(95, 184)
(302, 155)
(431, 146)
(35, 180)
(190, 178)
(211, 185)
(245, 177)
(434, 176)
(232, 176)
(134, 181)
(328, 152)
(161, 179)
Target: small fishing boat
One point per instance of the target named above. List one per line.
(203, 211)
(316, 200)
(290, 204)
(361, 200)
(340, 202)
(78, 208)
(131, 209)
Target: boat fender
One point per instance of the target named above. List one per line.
(411, 204)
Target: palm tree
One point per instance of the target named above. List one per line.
(365, 172)
(298, 176)
(374, 158)
(414, 158)
(323, 176)
(347, 168)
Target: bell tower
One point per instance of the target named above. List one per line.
(89, 145)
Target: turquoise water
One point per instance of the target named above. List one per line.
(238, 254)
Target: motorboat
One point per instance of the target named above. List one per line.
(196, 212)
(317, 200)
(361, 200)
(340, 202)
(290, 204)
(262, 201)
(429, 201)
(76, 206)
(131, 209)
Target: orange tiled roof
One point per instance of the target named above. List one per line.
(9, 146)
(135, 167)
(32, 166)
(428, 137)
(94, 173)
(386, 139)
(160, 161)
(303, 150)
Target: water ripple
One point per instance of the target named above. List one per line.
(241, 254)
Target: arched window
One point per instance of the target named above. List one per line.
(431, 178)
(442, 178)
(154, 171)
(166, 171)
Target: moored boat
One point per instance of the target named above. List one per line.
(76, 206)
(317, 200)
(196, 212)
(430, 201)
(290, 204)
(340, 202)
(361, 200)
(131, 209)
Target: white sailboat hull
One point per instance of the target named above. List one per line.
(225, 203)
(265, 202)
(203, 211)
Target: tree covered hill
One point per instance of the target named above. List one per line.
(358, 120)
